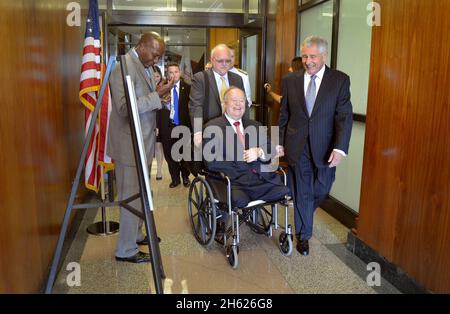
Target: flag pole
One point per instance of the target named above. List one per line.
(103, 227)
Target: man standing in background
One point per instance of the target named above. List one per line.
(176, 113)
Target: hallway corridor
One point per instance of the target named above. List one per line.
(190, 268)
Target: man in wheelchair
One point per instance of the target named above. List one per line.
(240, 149)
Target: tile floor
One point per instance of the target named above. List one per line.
(191, 268)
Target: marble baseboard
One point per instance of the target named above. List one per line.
(390, 272)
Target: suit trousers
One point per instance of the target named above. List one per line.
(175, 167)
(130, 225)
(309, 186)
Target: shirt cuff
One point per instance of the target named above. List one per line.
(340, 152)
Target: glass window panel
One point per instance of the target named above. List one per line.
(317, 21)
(254, 6)
(224, 6)
(354, 47)
(251, 63)
(192, 36)
(153, 5)
(347, 187)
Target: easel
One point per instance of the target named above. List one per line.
(144, 186)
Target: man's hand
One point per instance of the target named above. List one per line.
(166, 99)
(280, 151)
(164, 89)
(268, 88)
(335, 159)
(198, 138)
(156, 131)
(252, 154)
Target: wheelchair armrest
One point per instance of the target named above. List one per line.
(283, 172)
(217, 174)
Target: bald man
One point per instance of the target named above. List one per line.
(139, 60)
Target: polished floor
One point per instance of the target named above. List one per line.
(190, 268)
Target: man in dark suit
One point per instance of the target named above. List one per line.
(208, 88)
(174, 114)
(315, 127)
(241, 152)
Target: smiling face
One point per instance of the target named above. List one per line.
(235, 103)
(313, 60)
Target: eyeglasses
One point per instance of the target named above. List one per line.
(223, 61)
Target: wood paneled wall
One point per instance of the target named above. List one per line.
(405, 200)
(285, 39)
(41, 132)
(227, 36)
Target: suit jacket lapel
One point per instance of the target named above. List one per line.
(324, 87)
(213, 88)
(141, 70)
(300, 91)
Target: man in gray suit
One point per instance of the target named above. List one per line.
(208, 87)
(315, 127)
(139, 61)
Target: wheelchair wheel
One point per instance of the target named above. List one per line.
(202, 211)
(285, 243)
(232, 255)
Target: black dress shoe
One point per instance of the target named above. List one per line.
(139, 257)
(145, 241)
(303, 247)
(174, 184)
(186, 182)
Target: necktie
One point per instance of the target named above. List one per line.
(310, 96)
(223, 88)
(176, 119)
(239, 133)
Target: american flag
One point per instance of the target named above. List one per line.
(92, 70)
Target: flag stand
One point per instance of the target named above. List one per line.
(144, 188)
(103, 227)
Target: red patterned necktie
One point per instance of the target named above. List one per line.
(239, 133)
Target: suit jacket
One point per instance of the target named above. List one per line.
(183, 109)
(120, 146)
(330, 124)
(227, 161)
(198, 94)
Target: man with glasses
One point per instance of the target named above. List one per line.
(208, 88)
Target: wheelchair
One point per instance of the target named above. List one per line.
(210, 201)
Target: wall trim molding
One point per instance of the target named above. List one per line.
(340, 211)
(389, 271)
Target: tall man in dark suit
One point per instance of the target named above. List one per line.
(315, 127)
(208, 88)
(243, 155)
(174, 114)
